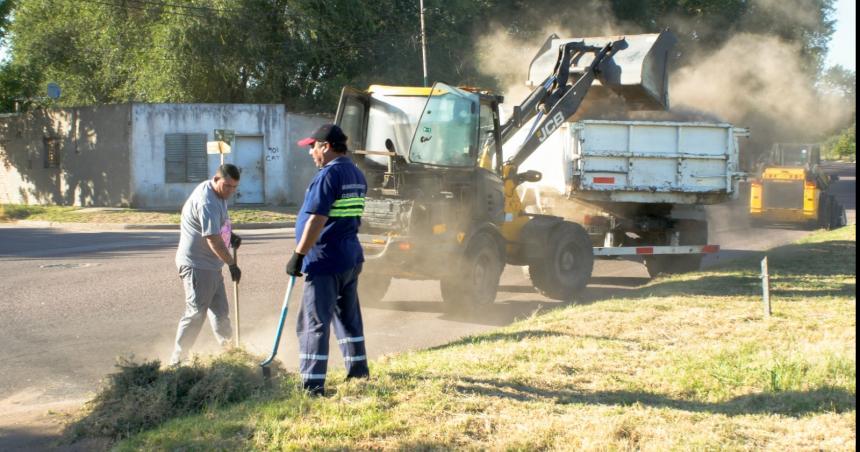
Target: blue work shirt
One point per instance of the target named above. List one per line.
(337, 191)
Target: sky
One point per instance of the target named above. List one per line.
(843, 47)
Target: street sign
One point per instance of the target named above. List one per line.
(217, 147)
(53, 91)
(225, 135)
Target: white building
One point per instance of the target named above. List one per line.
(151, 155)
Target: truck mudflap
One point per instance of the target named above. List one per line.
(654, 250)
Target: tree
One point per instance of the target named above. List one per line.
(843, 145)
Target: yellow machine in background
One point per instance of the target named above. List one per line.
(792, 189)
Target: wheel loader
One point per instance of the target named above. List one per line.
(792, 189)
(442, 203)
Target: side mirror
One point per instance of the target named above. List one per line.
(529, 176)
(389, 145)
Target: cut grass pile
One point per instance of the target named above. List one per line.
(66, 214)
(686, 362)
(139, 396)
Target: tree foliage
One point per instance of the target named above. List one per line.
(302, 52)
(842, 145)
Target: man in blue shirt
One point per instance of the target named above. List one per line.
(329, 252)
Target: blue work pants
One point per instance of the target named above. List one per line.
(328, 298)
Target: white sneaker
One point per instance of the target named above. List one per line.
(175, 359)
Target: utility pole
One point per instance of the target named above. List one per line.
(423, 44)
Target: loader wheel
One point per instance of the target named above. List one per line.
(825, 212)
(564, 272)
(477, 280)
(837, 214)
(372, 287)
(692, 233)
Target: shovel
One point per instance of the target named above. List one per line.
(267, 371)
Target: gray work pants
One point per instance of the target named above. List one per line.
(204, 294)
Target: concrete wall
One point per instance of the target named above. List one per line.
(113, 155)
(300, 165)
(281, 169)
(93, 145)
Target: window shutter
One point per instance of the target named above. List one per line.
(174, 157)
(196, 158)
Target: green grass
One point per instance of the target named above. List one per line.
(65, 214)
(686, 362)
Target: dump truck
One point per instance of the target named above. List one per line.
(442, 201)
(639, 187)
(791, 188)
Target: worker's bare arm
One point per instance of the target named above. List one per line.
(217, 246)
(311, 234)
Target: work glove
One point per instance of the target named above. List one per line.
(235, 273)
(294, 266)
(235, 241)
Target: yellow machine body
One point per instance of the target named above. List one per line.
(784, 195)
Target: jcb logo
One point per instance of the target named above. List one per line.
(550, 126)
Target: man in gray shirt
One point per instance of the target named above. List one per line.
(205, 234)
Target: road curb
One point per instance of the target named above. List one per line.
(133, 227)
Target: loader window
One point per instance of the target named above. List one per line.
(447, 133)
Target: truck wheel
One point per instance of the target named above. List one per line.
(692, 232)
(477, 281)
(372, 287)
(564, 271)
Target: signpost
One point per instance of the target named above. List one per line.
(223, 140)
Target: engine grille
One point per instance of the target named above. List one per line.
(386, 214)
(780, 194)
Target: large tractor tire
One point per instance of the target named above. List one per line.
(832, 216)
(692, 232)
(564, 271)
(476, 280)
(372, 288)
(825, 212)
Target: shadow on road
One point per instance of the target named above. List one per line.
(790, 266)
(31, 243)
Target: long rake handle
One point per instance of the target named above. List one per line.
(236, 296)
(280, 323)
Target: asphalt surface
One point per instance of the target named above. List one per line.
(75, 301)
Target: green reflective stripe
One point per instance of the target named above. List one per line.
(349, 202)
(345, 212)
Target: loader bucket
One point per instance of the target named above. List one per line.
(638, 72)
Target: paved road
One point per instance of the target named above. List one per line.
(74, 301)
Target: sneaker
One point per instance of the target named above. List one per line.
(175, 360)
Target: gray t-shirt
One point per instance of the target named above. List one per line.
(203, 214)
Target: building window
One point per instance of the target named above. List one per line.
(185, 157)
(52, 153)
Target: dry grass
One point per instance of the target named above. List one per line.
(66, 214)
(684, 363)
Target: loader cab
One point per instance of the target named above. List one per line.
(795, 155)
(458, 128)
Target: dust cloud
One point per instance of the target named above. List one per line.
(758, 82)
(753, 80)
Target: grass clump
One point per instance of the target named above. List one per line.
(140, 396)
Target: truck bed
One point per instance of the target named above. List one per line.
(640, 162)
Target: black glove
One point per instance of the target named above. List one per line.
(235, 273)
(235, 241)
(294, 266)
